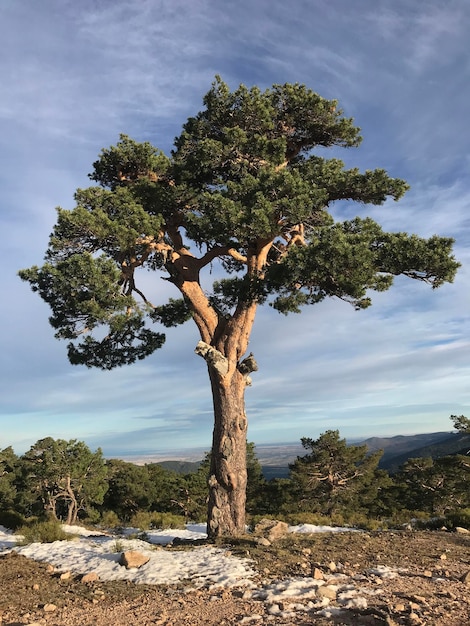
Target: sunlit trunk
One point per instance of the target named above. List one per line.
(228, 476)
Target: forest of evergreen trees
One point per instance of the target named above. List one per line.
(332, 483)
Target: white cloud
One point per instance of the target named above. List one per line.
(75, 76)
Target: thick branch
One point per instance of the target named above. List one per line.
(219, 251)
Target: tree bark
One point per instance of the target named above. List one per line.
(72, 506)
(223, 343)
(228, 475)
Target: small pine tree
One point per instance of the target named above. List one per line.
(335, 477)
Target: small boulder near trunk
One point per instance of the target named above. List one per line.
(271, 529)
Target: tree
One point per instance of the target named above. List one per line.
(129, 489)
(256, 483)
(435, 486)
(8, 472)
(334, 475)
(65, 476)
(461, 423)
(194, 492)
(243, 193)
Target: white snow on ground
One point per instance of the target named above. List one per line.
(7, 539)
(310, 528)
(201, 566)
(100, 552)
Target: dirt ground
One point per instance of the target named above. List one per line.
(428, 589)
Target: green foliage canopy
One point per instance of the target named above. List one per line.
(461, 423)
(243, 186)
(334, 476)
(64, 477)
(8, 473)
(435, 486)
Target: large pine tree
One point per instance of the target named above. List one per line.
(243, 187)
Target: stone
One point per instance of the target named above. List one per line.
(326, 592)
(419, 599)
(273, 609)
(317, 574)
(92, 577)
(133, 558)
(262, 541)
(466, 578)
(65, 576)
(271, 529)
(49, 608)
(427, 573)
(462, 531)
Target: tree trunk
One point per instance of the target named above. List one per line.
(73, 505)
(228, 475)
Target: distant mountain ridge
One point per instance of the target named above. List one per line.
(275, 459)
(435, 446)
(401, 444)
(180, 467)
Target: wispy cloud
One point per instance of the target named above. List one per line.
(74, 76)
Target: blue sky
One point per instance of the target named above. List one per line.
(76, 74)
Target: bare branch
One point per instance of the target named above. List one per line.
(218, 251)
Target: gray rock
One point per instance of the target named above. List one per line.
(326, 592)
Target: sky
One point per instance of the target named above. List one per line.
(203, 567)
(75, 75)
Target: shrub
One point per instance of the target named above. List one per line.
(93, 516)
(154, 519)
(109, 519)
(11, 519)
(142, 520)
(42, 532)
(167, 520)
(315, 519)
(458, 518)
(118, 546)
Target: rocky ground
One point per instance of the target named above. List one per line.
(381, 578)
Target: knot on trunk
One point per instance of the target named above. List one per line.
(247, 366)
(213, 357)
